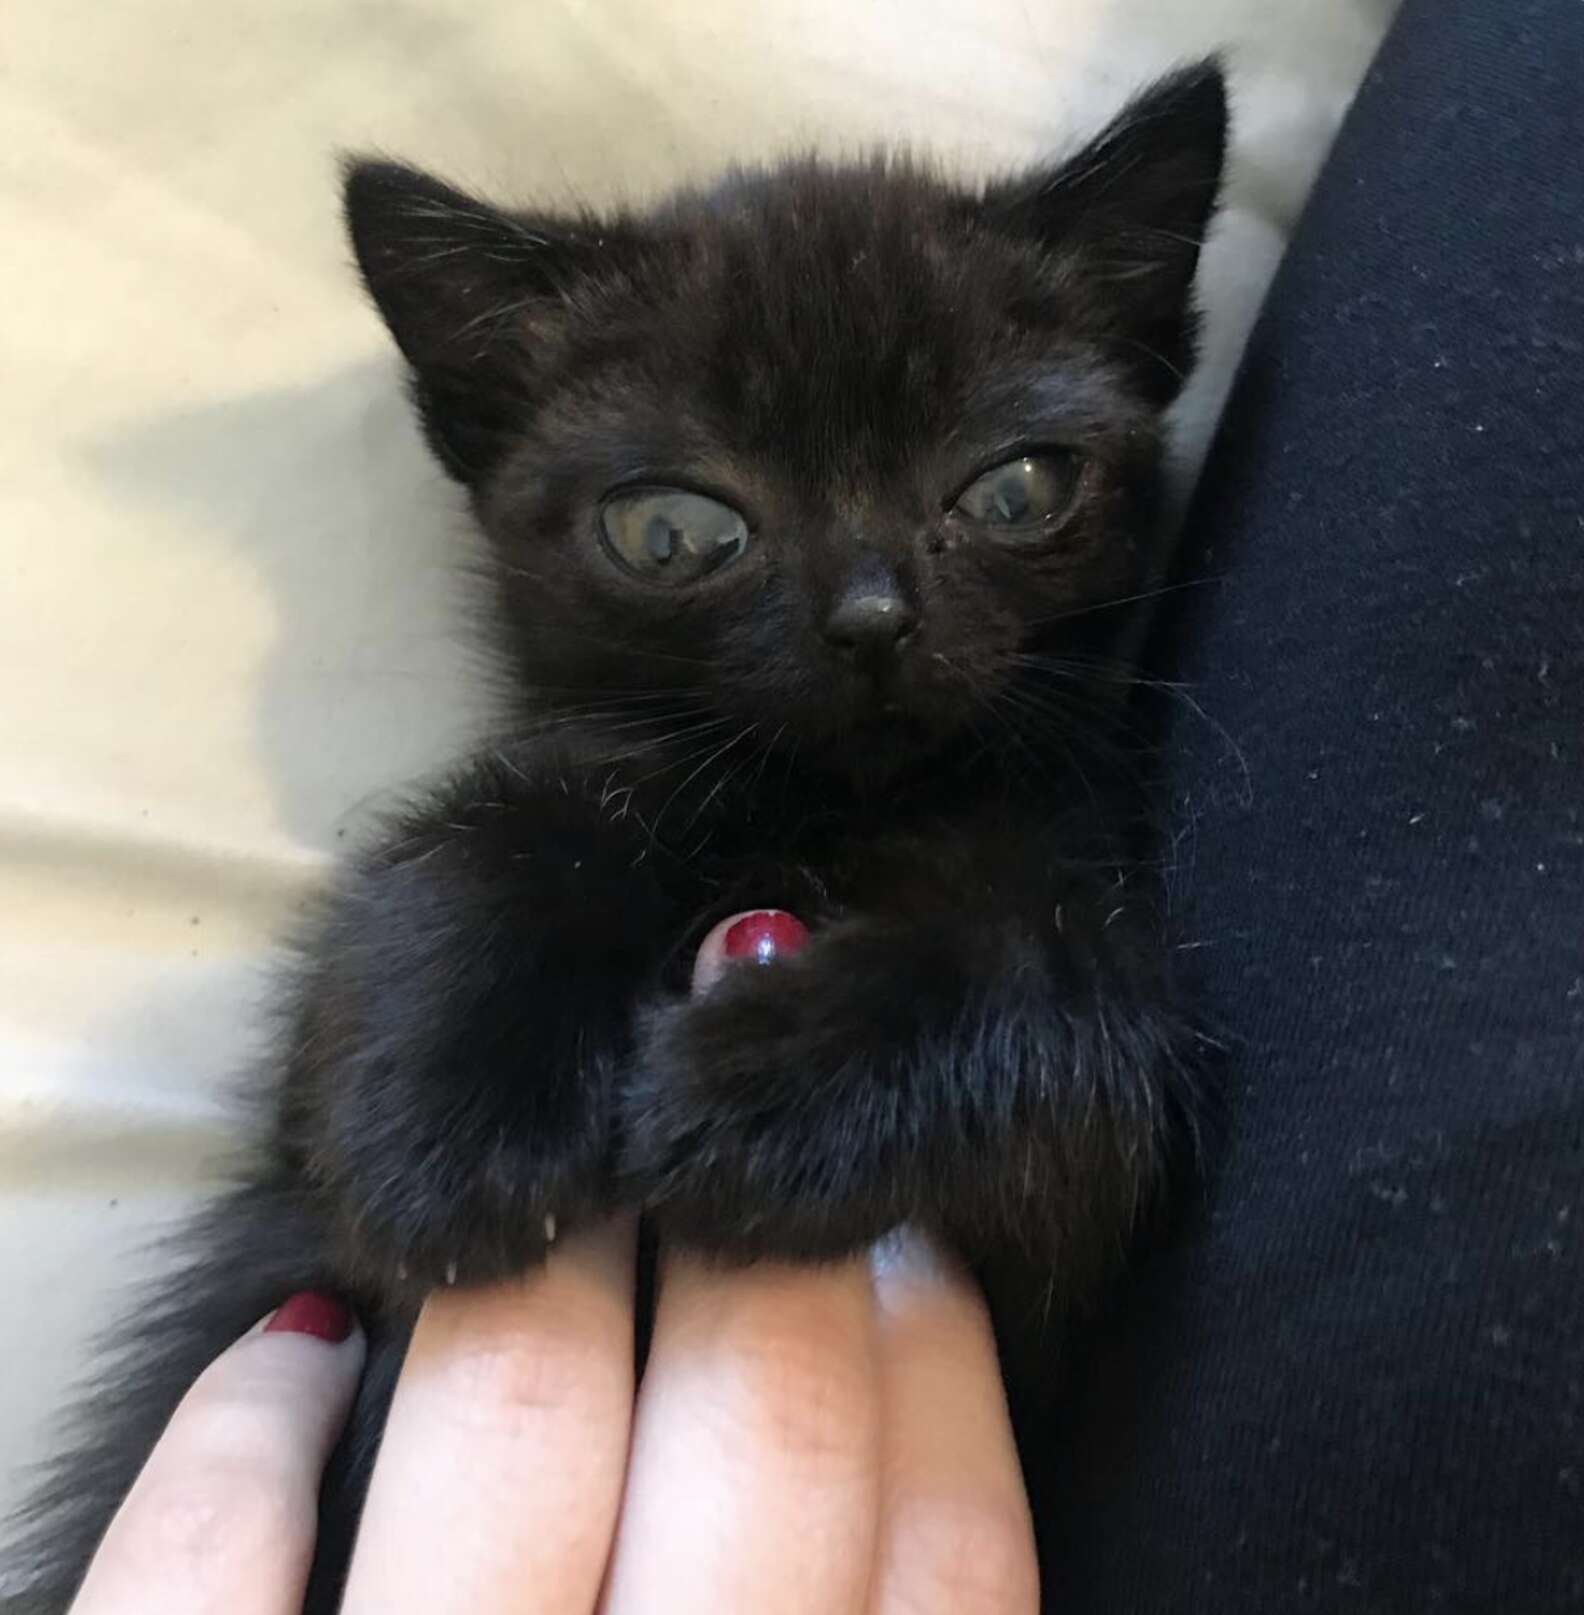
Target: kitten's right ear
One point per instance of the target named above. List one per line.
(455, 280)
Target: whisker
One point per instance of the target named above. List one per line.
(732, 770)
(610, 692)
(1127, 599)
(768, 749)
(1077, 672)
(1107, 720)
(1014, 723)
(742, 734)
(676, 737)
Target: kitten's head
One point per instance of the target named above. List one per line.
(829, 451)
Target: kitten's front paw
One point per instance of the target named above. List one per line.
(502, 1223)
(462, 1200)
(447, 1090)
(779, 1115)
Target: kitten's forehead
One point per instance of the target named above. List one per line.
(804, 307)
(837, 319)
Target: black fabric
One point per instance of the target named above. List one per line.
(1358, 1385)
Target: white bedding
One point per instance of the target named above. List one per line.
(225, 620)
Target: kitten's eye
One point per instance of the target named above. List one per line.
(1024, 496)
(668, 535)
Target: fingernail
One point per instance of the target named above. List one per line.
(312, 1312)
(765, 935)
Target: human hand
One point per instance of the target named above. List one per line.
(831, 1440)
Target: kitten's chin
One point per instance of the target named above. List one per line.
(879, 747)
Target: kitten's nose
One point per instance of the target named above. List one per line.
(870, 621)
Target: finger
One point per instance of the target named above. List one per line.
(761, 1388)
(223, 1516)
(756, 936)
(501, 1466)
(955, 1535)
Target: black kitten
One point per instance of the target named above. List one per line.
(812, 502)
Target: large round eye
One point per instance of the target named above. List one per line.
(1024, 496)
(668, 535)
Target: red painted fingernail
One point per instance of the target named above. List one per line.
(312, 1312)
(766, 934)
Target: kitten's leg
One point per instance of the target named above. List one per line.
(444, 1113)
(466, 1004)
(1000, 1061)
(249, 1252)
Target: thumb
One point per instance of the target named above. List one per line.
(223, 1515)
(759, 936)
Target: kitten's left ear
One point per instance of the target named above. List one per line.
(457, 282)
(1129, 213)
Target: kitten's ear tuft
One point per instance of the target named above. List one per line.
(1131, 209)
(452, 277)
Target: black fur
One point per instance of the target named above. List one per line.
(491, 1027)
